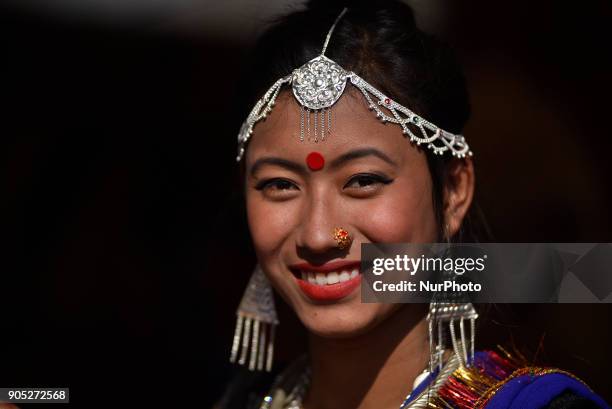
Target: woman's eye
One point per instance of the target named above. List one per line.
(367, 182)
(279, 184)
(277, 187)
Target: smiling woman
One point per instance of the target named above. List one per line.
(375, 185)
(366, 149)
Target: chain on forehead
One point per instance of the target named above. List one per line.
(318, 85)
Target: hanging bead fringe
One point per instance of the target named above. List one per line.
(257, 345)
(321, 126)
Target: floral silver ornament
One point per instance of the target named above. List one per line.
(319, 83)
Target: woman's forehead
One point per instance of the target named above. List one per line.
(353, 126)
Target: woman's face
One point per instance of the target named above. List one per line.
(374, 184)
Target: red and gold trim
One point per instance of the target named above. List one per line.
(475, 386)
(532, 371)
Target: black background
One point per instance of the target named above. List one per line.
(126, 248)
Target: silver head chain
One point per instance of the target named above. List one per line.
(317, 86)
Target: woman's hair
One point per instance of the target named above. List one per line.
(379, 41)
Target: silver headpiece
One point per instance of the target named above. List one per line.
(317, 86)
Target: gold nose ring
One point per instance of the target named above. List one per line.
(342, 237)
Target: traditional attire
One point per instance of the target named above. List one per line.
(468, 379)
(494, 380)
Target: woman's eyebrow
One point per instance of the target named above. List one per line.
(283, 163)
(360, 153)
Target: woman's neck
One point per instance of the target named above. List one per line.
(373, 371)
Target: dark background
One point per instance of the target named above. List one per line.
(126, 248)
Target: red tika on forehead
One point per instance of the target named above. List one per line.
(315, 161)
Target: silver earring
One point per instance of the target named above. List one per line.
(443, 315)
(255, 324)
(445, 310)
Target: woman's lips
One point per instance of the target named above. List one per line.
(327, 282)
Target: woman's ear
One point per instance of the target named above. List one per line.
(458, 193)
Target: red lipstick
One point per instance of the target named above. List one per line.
(328, 292)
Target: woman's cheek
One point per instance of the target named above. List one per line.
(394, 218)
(270, 223)
(385, 224)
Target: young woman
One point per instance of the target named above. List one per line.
(323, 174)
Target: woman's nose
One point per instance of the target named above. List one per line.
(315, 233)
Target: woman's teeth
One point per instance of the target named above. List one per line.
(333, 277)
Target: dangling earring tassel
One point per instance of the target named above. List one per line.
(256, 322)
(251, 343)
(270, 348)
(262, 344)
(463, 342)
(245, 341)
(455, 342)
(440, 347)
(436, 340)
(432, 363)
(236, 342)
(440, 313)
(473, 336)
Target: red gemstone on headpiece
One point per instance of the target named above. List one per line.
(315, 161)
(387, 101)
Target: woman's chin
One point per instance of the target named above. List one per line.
(343, 321)
(337, 333)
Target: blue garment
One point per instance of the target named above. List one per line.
(534, 392)
(527, 391)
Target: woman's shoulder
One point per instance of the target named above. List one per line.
(505, 381)
(569, 400)
(536, 387)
